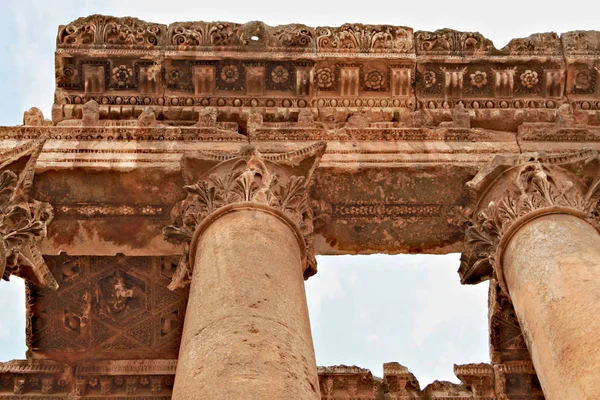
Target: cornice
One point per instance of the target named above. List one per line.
(105, 32)
(126, 64)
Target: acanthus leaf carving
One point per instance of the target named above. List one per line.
(581, 42)
(538, 185)
(191, 35)
(294, 36)
(199, 34)
(280, 181)
(448, 41)
(23, 221)
(365, 38)
(536, 44)
(110, 31)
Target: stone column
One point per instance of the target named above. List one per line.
(248, 223)
(535, 230)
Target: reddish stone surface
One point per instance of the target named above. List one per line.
(408, 119)
(551, 268)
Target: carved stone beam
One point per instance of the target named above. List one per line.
(534, 226)
(23, 220)
(247, 225)
(35, 378)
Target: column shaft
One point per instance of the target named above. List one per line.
(247, 332)
(552, 271)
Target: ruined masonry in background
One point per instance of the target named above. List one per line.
(202, 166)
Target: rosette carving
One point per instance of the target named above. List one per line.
(516, 190)
(214, 181)
(23, 221)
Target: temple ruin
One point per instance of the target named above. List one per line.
(166, 216)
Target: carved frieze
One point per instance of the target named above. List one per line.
(153, 379)
(451, 42)
(512, 189)
(251, 36)
(213, 181)
(479, 378)
(358, 38)
(582, 50)
(527, 73)
(448, 42)
(112, 32)
(398, 381)
(107, 31)
(258, 68)
(45, 379)
(517, 380)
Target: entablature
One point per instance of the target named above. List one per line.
(334, 72)
(376, 178)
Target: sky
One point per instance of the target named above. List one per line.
(364, 310)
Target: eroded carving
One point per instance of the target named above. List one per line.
(279, 181)
(350, 38)
(535, 184)
(447, 41)
(23, 220)
(111, 31)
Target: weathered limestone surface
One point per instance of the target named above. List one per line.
(153, 379)
(408, 119)
(535, 230)
(248, 223)
(247, 320)
(552, 265)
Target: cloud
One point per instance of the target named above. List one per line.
(410, 309)
(12, 315)
(327, 287)
(33, 60)
(372, 338)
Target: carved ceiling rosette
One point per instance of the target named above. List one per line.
(23, 220)
(511, 191)
(214, 181)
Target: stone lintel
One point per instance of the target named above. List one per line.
(374, 178)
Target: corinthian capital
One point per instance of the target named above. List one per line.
(510, 191)
(23, 220)
(213, 181)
